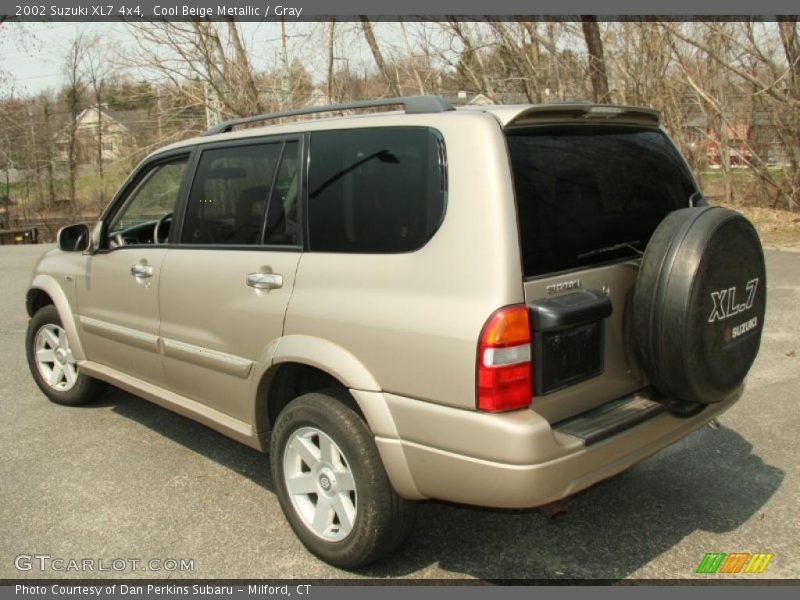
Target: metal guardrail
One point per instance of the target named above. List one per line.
(46, 229)
(19, 236)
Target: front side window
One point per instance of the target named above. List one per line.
(152, 200)
(379, 190)
(230, 195)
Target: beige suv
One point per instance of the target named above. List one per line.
(496, 306)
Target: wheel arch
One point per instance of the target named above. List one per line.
(44, 290)
(287, 379)
(35, 299)
(299, 364)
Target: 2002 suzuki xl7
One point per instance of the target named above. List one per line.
(495, 305)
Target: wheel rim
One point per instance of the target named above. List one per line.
(320, 483)
(54, 359)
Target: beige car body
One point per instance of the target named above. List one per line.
(399, 331)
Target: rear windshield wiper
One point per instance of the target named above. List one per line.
(697, 199)
(612, 248)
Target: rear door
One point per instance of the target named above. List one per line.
(226, 284)
(588, 199)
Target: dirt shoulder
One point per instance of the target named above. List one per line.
(777, 228)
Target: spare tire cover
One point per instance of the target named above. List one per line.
(698, 308)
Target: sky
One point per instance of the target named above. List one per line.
(33, 54)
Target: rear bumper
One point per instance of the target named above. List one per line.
(514, 460)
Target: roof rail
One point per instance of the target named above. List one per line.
(411, 104)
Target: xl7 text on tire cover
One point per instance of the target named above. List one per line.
(699, 303)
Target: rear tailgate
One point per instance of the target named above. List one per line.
(589, 196)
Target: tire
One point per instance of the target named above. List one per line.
(699, 306)
(45, 335)
(374, 520)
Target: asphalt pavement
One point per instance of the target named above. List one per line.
(125, 480)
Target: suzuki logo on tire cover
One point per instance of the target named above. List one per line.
(725, 304)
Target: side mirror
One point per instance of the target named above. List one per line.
(74, 238)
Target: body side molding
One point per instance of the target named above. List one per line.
(233, 428)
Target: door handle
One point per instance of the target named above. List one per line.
(142, 271)
(264, 281)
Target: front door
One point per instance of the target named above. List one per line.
(117, 294)
(226, 285)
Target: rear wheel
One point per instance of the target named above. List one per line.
(332, 485)
(52, 363)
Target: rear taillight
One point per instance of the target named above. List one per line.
(503, 370)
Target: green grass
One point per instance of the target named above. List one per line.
(91, 192)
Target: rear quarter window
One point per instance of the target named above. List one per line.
(376, 190)
(591, 194)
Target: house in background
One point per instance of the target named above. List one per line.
(747, 136)
(480, 100)
(99, 130)
(317, 98)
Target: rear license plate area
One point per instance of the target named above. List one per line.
(568, 339)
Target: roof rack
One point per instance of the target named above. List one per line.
(411, 105)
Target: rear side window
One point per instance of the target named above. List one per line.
(380, 190)
(591, 194)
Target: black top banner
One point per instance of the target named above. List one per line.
(301, 10)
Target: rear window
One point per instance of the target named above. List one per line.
(379, 190)
(592, 194)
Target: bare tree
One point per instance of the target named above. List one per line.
(597, 63)
(475, 66)
(242, 70)
(96, 70)
(208, 52)
(331, 57)
(369, 36)
(48, 149)
(73, 90)
(412, 60)
(521, 54)
(764, 58)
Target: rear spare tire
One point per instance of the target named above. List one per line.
(698, 308)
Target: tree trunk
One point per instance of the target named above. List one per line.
(366, 26)
(791, 46)
(98, 98)
(481, 78)
(331, 39)
(597, 64)
(51, 184)
(412, 60)
(554, 59)
(244, 68)
(74, 89)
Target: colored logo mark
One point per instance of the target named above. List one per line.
(737, 562)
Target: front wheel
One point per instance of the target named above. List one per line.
(52, 364)
(331, 483)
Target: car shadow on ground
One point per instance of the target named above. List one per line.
(194, 436)
(709, 482)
